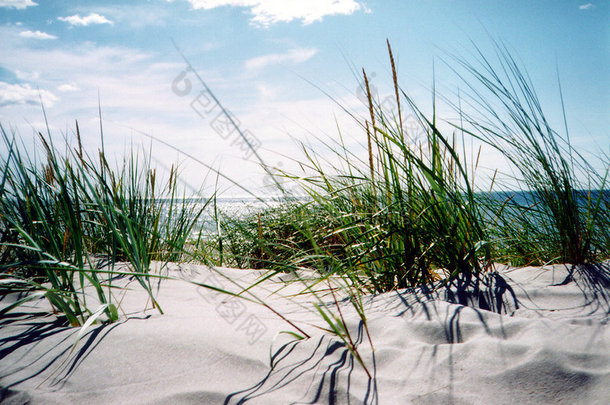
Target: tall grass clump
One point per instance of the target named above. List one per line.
(559, 212)
(411, 212)
(400, 215)
(407, 210)
(66, 217)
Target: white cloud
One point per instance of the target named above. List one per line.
(135, 92)
(67, 87)
(587, 6)
(36, 35)
(267, 92)
(93, 18)
(293, 56)
(18, 4)
(29, 76)
(11, 94)
(267, 12)
(135, 15)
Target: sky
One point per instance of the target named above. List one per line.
(284, 70)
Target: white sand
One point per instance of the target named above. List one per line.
(550, 345)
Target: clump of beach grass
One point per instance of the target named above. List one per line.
(67, 217)
(398, 217)
(409, 211)
(560, 210)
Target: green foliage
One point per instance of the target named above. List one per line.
(384, 227)
(63, 219)
(409, 212)
(563, 212)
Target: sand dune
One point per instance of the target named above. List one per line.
(531, 335)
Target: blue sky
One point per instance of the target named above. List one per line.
(264, 60)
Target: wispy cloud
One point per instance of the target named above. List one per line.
(136, 14)
(36, 35)
(67, 87)
(29, 76)
(293, 56)
(587, 6)
(267, 12)
(93, 18)
(11, 94)
(137, 84)
(18, 4)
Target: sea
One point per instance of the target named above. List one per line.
(238, 207)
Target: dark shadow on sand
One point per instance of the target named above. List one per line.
(321, 385)
(594, 282)
(55, 361)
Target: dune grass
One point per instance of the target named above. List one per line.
(563, 215)
(408, 212)
(389, 219)
(66, 217)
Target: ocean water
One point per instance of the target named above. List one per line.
(243, 206)
(528, 198)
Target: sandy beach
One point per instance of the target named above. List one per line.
(543, 339)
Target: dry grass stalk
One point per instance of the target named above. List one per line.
(370, 147)
(370, 101)
(396, 92)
